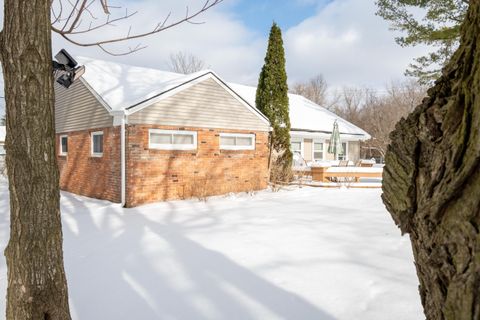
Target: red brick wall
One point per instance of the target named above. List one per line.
(96, 177)
(155, 175)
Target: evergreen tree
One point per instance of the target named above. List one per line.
(439, 27)
(272, 101)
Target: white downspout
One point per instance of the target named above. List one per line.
(122, 160)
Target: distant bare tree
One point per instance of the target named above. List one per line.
(314, 89)
(378, 113)
(183, 62)
(350, 101)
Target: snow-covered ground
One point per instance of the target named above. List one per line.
(300, 254)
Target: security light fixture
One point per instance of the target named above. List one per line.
(66, 63)
(69, 77)
(63, 57)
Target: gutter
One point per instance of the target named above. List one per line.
(120, 118)
(122, 161)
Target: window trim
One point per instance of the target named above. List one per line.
(323, 150)
(171, 146)
(301, 140)
(239, 135)
(345, 154)
(92, 153)
(60, 149)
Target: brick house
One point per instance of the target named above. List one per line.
(135, 135)
(311, 129)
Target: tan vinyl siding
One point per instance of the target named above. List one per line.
(76, 108)
(206, 105)
(353, 151)
(307, 149)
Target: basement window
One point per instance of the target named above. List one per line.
(172, 139)
(237, 141)
(63, 145)
(97, 144)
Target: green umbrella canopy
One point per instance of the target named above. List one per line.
(335, 146)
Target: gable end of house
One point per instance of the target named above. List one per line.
(206, 102)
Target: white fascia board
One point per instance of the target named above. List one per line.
(119, 117)
(165, 95)
(96, 95)
(326, 136)
(241, 100)
(186, 85)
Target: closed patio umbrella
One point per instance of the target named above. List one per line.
(335, 146)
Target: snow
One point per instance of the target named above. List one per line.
(2, 94)
(355, 169)
(306, 253)
(306, 115)
(122, 86)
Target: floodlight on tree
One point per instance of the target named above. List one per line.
(65, 62)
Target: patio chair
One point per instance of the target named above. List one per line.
(343, 163)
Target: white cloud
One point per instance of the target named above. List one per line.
(348, 44)
(223, 41)
(344, 41)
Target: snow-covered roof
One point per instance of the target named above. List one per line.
(306, 115)
(2, 133)
(123, 86)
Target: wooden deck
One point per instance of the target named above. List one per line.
(329, 174)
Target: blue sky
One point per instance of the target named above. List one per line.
(341, 39)
(285, 13)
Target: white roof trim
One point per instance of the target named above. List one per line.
(183, 86)
(96, 95)
(164, 95)
(327, 135)
(241, 100)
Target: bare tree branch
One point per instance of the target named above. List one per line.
(73, 22)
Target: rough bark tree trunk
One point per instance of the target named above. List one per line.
(37, 287)
(432, 183)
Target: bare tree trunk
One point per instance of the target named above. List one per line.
(432, 183)
(37, 287)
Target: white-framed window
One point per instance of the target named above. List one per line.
(63, 145)
(318, 150)
(2, 150)
(237, 141)
(97, 143)
(344, 155)
(172, 139)
(296, 147)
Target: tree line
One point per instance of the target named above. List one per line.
(375, 111)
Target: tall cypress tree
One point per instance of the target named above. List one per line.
(272, 100)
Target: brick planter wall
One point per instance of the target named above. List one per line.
(156, 175)
(95, 177)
